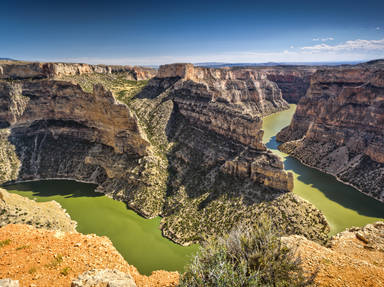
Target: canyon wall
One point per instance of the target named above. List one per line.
(187, 145)
(53, 129)
(207, 124)
(13, 70)
(292, 80)
(338, 126)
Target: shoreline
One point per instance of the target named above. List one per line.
(327, 173)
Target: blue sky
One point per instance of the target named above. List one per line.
(157, 32)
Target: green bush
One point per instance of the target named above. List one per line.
(248, 256)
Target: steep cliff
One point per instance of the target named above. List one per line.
(338, 126)
(292, 80)
(53, 129)
(206, 124)
(188, 145)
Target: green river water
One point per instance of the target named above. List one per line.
(342, 205)
(139, 240)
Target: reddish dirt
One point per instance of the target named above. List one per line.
(347, 263)
(40, 257)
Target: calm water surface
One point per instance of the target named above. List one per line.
(139, 240)
(342, 205)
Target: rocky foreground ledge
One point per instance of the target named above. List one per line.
(40, 257)
(354, 258)
(47, 258)
(47, 251)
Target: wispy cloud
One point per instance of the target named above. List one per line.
(354, 50)
(378, 28)
(359, 44)
(323, 39)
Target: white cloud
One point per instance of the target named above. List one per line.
(292, 47)
(355, 50)
(377, 28)
(359, 44)
(323, 39)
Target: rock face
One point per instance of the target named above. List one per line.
(25, 70)
(292, 80)
(338, 126)
(187, 145)
(354, 257)
(48, 258)
(53, 129)
(18, 209)
(207, 124)
(104, 277)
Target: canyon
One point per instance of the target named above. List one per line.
(338, 126)
(293, 80)
(186, 145)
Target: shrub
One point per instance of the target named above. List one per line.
(248, 256)
(65, 271)
(5, 242)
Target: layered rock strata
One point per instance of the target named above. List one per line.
(13, 70)
(207, 125)
(292, 80)
(53, 129)
(186, 146)
(338, 126)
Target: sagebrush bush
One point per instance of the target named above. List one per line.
(248, 256)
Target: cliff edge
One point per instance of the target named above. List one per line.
(338, 126)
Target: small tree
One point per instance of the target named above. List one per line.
(248, 256)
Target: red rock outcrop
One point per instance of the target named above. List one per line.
(338, 126)
(354, 257)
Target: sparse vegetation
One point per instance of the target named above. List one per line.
(5, 242)
(246, 257)
(32, 270)
(119, 84)
(65, 271)
(58, 259)
(22, 247)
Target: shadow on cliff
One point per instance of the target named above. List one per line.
(194, 165)
(65, 188)
(328, 185)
